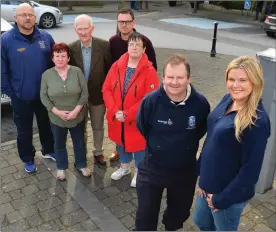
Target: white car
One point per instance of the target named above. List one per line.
(46, 16)
(5, 26)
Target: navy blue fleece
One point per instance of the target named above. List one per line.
(172, 131)
(230, 169)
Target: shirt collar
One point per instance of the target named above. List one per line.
(189, 90)
(90, 45)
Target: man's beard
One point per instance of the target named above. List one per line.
(29, 27)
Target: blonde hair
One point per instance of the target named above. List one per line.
(247, 114)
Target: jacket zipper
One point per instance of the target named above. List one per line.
(131, 84)
(123, 99)
(122, 96)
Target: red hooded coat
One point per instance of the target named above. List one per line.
(143, 81)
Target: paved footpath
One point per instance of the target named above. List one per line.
(38, 202)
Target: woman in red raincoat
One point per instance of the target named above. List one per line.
(129, 79)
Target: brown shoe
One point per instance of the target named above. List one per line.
(114, 156)
(99, 159)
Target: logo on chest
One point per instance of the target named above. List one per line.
(169, 122)
(21, 49)
(191, 122)
(42, 44)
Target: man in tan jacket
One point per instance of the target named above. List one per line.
(92, 55)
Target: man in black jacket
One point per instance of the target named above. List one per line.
(172, 119)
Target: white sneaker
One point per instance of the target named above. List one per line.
(120, 173)
(133, 181)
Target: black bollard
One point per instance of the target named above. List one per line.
(213, 50)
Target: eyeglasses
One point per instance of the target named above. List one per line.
(23, 15)
(125, 22)
(132, 45)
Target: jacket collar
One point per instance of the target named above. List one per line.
(17, 33)
(89, 46)
(190, 93)
(122, 66)
(123, 61)
(95, 54)
(119, 34)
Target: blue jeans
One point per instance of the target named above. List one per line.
(126, 157)
(60, 137)
(223, 220)
(23, 114)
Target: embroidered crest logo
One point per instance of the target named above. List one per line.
(21, 49)
(41, 44)
(191, 122)
(152, 86)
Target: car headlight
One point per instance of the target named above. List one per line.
(57, 11)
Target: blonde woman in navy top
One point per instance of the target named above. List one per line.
(233, 152)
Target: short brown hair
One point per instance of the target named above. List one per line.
(60, 47)
(177, 59)
(126, 11)
(136, 36)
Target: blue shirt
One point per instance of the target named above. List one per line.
(129, 73)
(229, 169)
(86, 56)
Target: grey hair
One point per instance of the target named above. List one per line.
(83, 16)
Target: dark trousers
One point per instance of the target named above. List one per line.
(60, 137)
(180, 195)
(23, 113)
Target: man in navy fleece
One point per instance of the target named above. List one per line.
(173, 120)
(25, 55)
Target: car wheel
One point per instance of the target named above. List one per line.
(47, 21)
(270, 33)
